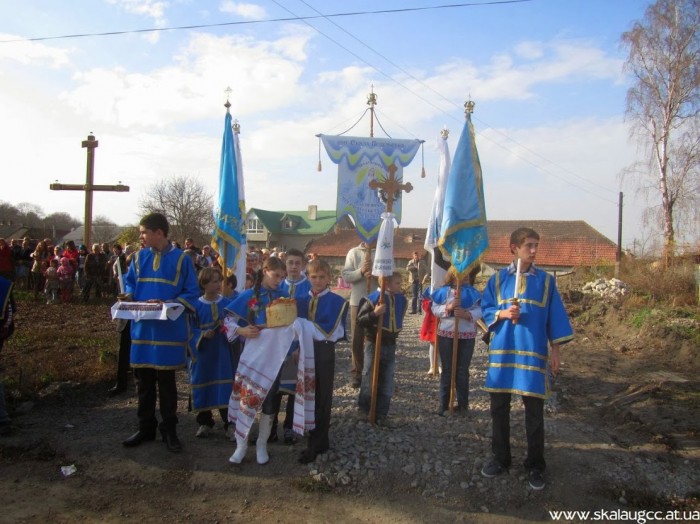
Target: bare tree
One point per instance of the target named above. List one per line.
(104, 229)
(62, 220)
(663, 105)
(187, 204)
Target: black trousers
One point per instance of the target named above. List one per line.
(124, 358)
(534, 428)
(324, 353)
(151, 383)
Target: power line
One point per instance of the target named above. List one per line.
(265, 21)
(413, 77)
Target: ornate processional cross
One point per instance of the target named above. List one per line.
(88, 187)
(391, 188)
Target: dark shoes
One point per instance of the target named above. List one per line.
(170, 438)
(116, 390)
(535, 479)
(289, 437)
(492, 469)
(309, 455)
(139, 437)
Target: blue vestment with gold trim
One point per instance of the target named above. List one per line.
(210, 369)
(519, 353)
(168, 276)
(327, 311)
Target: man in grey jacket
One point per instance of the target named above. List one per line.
(357, 272)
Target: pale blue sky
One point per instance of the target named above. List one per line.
(546, 76)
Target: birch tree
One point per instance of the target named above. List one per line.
(663, 106)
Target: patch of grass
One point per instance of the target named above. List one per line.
(311, 485)
(641, 317)
(70, 342)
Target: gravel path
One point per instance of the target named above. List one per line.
(428, 452)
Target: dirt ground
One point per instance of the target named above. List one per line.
(623, 435)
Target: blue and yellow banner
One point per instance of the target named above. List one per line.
(464, 237)
(229, 226)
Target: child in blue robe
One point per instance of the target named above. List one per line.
(524, 348)
(392, 310)
(211, 373)
(327, 312)
(159, 273)
(297, 286)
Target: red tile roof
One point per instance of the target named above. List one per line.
(562, 243)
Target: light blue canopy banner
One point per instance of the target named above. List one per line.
(361, 160)
(464, 237)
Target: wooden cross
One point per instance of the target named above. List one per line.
(88, 187)
(392, 187)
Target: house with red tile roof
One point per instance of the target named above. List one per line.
(564, 244)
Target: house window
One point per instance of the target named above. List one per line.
(254, 225)
(288, 224)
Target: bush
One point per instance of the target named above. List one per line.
(674, 285)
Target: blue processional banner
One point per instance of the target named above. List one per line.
(361, 160)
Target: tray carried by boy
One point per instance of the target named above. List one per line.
(147, 310)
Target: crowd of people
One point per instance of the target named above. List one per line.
(62, 273)
(520, 308)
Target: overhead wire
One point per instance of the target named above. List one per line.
(268, 20)
(328, 17)
(451, 102)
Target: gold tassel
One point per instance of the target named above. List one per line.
(318, 167)
(422, 172)
(422, 155)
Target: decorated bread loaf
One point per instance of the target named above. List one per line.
(281, 312)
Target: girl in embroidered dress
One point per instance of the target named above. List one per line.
(447, 307)
(244, 314)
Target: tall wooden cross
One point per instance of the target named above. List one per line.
(88, 187)
(391, 190)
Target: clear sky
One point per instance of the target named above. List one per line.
(546, 75)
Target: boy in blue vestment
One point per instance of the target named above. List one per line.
(211, 373)
(393, 309)
(527, 326)
(327, 312)
(159, 273)
(297, 286)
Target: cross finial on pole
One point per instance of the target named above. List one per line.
(391, 188)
